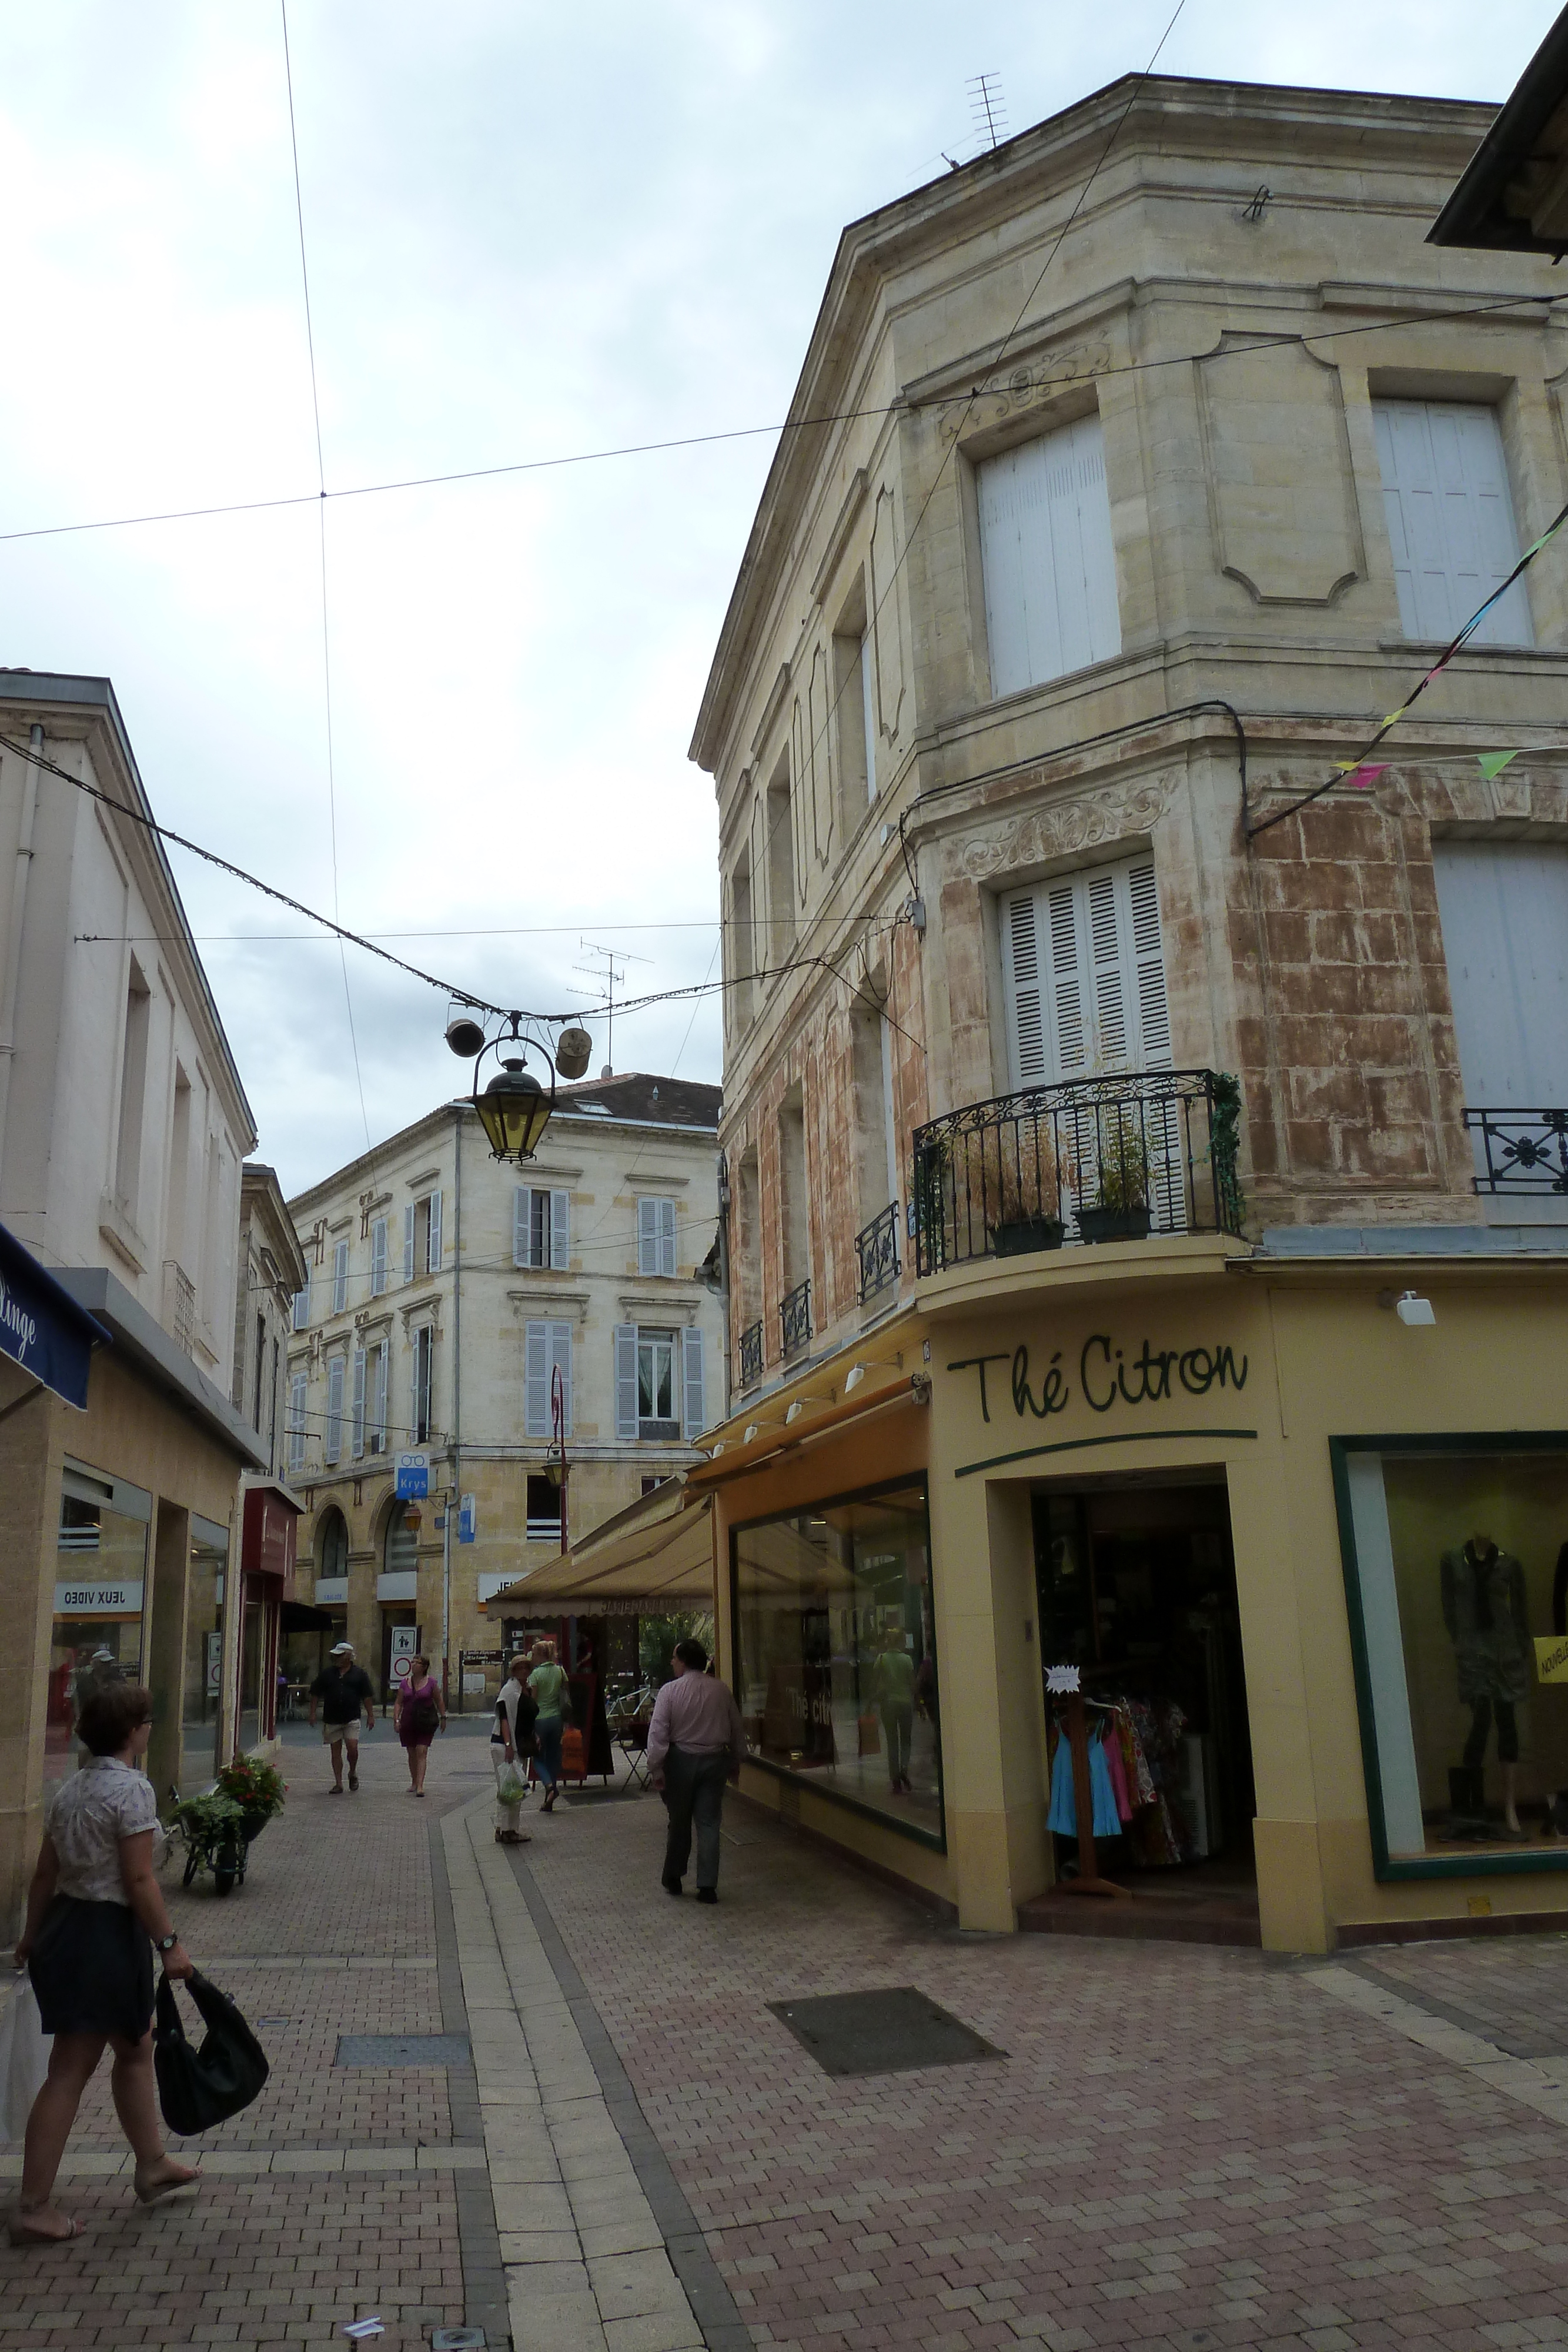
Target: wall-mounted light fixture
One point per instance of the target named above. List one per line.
(1414, 1311)
(857, 1372)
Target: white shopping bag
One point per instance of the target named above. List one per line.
(23, 2059)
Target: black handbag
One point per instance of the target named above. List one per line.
(198, 2087)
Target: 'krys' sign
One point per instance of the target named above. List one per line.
(1107, 1375)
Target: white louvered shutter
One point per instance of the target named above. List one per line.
(694, 1411)
(378, 1257)
(560, 1361)
(1026, 1014)
(339, 1276)
(536, 1381)
(560, 1230)
(626, 1381)
(1450, 520)
(408, 1243)
(1148, 968)
(296, 1422)
(335, 1409)
(521, 1200)
(358, 1410)
(1100, 1005)
(647, 1235)
(666, 1237)
(1047, 556)
(381, 1421)
(433, 1253)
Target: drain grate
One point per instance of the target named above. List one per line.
(385, 2050)
(880, 2032)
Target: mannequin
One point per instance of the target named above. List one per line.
(1483, 1609)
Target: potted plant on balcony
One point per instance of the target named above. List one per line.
(1120, 1211)
(1030, 1204)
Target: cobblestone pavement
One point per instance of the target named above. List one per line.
(1179, 2147)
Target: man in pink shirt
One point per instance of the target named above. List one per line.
(696, 1742)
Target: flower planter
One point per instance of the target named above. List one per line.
(1113, 1225)
(253, 1822)
(1020, 1236)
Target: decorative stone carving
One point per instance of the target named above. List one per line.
(1282, 491)
(819, 757)
(1097, 818)
(1024, 387)
(886, 630)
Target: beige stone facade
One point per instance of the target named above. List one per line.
(588, 1259)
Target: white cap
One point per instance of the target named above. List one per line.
(341, 1650)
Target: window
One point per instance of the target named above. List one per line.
(780, 865)
(793, 1214)
(376, 1379)
(378, 1257)
(1450, 520)
(99, 1579)
(296, 1388)
(260, 1372)
(854, 694)
(742, 942)
(424, 1384)
(546, 1350)
(358, 1407)
(1504, 906)
(422, 1236)
(133, 1090)
(302, 1308)
(541, 1227)
(876, 1151)
(1046, 554)
(335, 1409)
(1084, 976)
(836, 1665)
(544, 1511)
(655, 1235)
(1455, 1570)
(652, 1485)
(660, 1384)
(339, 1276)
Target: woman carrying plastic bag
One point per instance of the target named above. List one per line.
(23, 2059)
(511, 1740)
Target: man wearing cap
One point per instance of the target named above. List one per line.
(343, 1688)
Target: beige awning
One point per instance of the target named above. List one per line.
(657, 1555)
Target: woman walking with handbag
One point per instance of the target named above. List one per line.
(94, 1913)
(548, 1684)
(418, 1713)
(511, 1740)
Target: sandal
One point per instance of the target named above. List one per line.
(152, 2193)
(21, 2234)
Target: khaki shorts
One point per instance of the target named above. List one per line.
(331, 1733)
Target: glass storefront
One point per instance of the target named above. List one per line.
(836, 1661)
(101, 1574)
(1457, 1567)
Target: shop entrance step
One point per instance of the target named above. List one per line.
(1183, 1912)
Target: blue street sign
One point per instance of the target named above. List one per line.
(466, 1520)
(412, 1477)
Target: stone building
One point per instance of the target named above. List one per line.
(1165, 457)
(122, 1128)
(445, 1294)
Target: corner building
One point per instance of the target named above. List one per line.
(1146, 1199)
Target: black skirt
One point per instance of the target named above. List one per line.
(91, 1967)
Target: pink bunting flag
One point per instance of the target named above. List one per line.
(1362, 778)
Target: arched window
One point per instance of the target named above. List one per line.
(332, 1545)
(400, 1545)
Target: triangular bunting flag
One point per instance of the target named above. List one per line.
(1493, 764)
(1360, 779)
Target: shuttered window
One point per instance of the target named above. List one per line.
(1046, 554)
(379, 1403)
(433, 1251)
(626, 1382)
(547, 1349)
(541, 1227)
(1504, 906)
(378, 1257)
(339, 1276)
(694, 1402)
(296, 1388)
(655, 1235)
(359, 1408)
(302, 1307)
(1084, 976)
(1450, 520)
(408, 1243)
(335, 1409)
(424, 1384)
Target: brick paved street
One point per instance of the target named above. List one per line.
(1180, 2148)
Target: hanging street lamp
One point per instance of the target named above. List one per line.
(515, 1110)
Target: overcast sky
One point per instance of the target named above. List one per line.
(526, 238)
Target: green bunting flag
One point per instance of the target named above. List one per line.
(1493, 764)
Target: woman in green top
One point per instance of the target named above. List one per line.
(892, 1694)
(548, 1685)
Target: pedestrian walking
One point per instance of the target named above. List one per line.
(549, 1686)
(343, 1690)
(419, 1712)
(511, 1740)
(95, 1912)
(892, 1691)
(696, 1742)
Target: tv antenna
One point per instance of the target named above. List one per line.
(608, 977)
(988, 109)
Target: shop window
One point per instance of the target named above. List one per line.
(1047, 558)
(100, 1581)
(544, 1511)
(1457, 1576)
(205, 1624)
(1450, 520)
(836, 1662)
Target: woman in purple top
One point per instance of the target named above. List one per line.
(418, 1713)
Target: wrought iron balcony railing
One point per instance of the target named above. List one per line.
(1103, 1158)
(751, 1354)
(1520, 1150)
(795, 1317)
(877, 1249)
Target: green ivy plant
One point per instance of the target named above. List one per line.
(1224, 1145)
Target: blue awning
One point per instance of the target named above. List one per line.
(42, 1329)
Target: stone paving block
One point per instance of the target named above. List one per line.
(630, 2237)
(654, 2332)
(547, 2249)
(632, 2285)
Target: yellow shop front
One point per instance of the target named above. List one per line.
(1295, 1521)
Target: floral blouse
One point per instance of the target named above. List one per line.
(88, 1816)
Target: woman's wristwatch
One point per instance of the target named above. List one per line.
(166, 1943)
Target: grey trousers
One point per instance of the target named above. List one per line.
(693, 1792)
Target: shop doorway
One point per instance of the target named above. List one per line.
(1136, 1584)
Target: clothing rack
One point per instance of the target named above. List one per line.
(1087, 1881)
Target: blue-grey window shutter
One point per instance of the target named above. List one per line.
(433, 1253)
(626, 1381)
(647, 1235)
(520, 1200)
(408, 1243)
(695, 1413)
(560, 1230)
(536, 1381)
(560, 1358)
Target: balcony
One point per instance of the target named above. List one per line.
(1520, 1150)
(751, 1354)
(1104, 1159)
(876, 1251)
(795, 1317)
